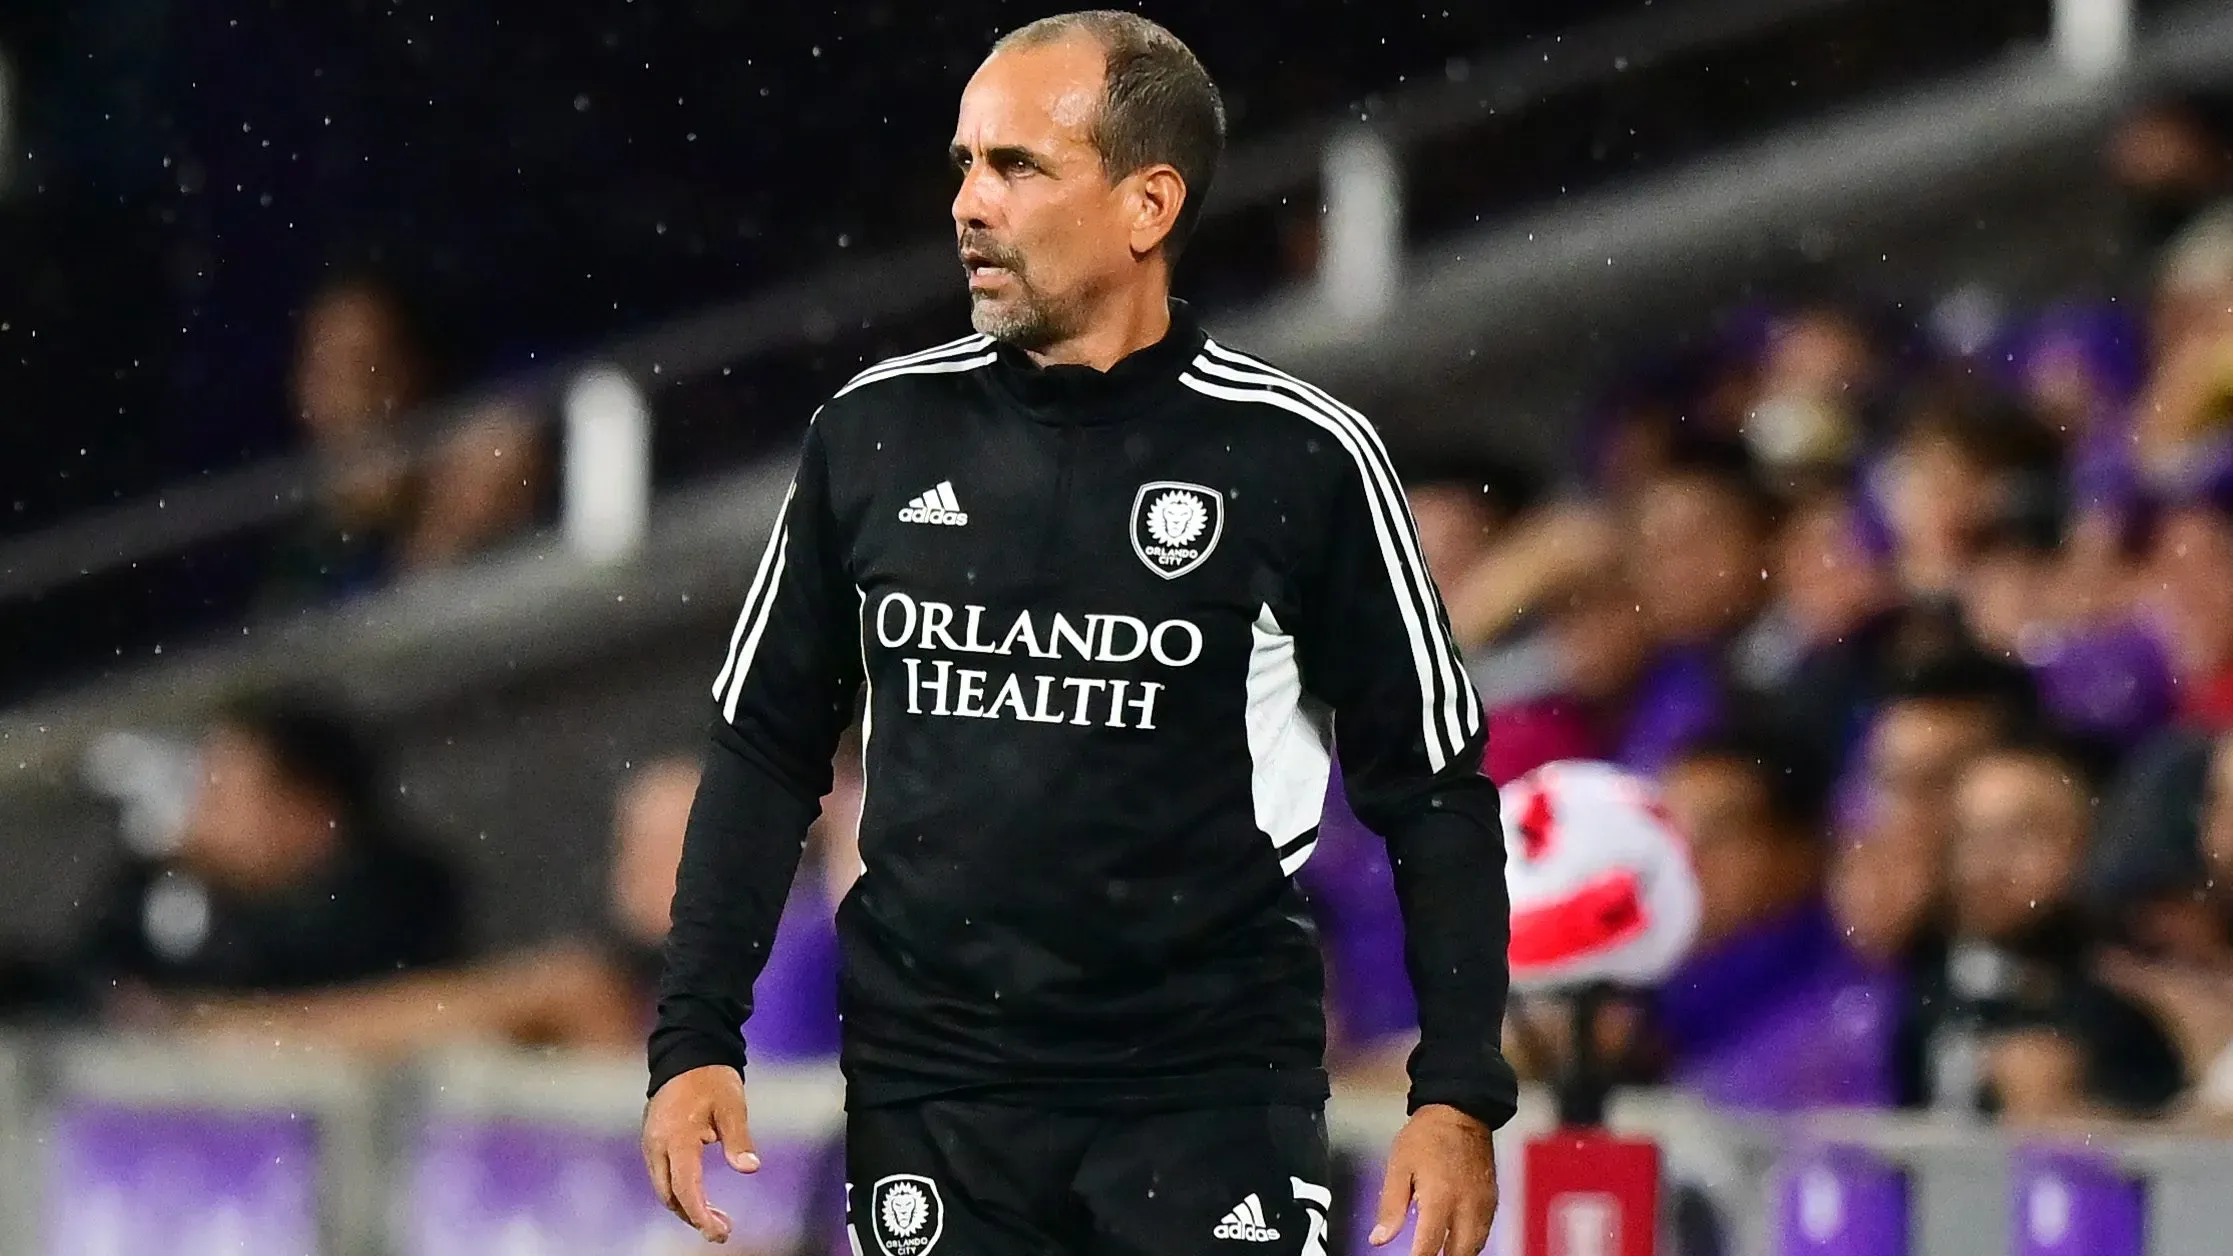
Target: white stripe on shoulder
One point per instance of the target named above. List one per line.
(760, 619)
(975, 350)
(966, 344)
(1461, 711)
(1249, 388)
(1453, 699)
(755, 604)
(949, 366)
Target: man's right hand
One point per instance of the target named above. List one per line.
(702, 1106)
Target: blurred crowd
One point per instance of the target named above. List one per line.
(1924, 627)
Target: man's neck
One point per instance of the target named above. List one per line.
(1123, 326)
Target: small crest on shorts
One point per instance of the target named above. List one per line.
(1175, 526)
(906, 1215)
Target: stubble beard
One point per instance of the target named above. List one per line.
(1023, 320)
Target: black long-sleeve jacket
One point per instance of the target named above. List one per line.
(1108, 625)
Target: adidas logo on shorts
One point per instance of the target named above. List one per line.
(935, 506)
(1246, 1223)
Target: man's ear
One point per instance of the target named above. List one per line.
(1157, 196)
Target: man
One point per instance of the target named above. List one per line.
(1083, 568)
(291, 874)
(2028, 1028)
(1771, 1011)
(592, 992)
(1886, 878)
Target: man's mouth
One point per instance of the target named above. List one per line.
(983, 266)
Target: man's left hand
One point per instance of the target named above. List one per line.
(1444, 1161)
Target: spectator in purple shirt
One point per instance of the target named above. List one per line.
(2030, 596)
(1772, 1010)
(1699, 563)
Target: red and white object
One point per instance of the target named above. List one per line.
(1602, 886)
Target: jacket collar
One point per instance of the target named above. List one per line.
(1077, 393)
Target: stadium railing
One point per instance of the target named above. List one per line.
(142, 1145)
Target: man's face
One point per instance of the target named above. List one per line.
(1697, 559)
(1883, 884)
(1824, 575)
(1743, 874)
(1938, 496)
(1603, 640)
(250, 829)
(1040, 226)
(1916, 752)
(2021, 832)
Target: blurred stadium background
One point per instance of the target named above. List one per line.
(1824, 406)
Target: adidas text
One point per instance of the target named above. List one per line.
(921, 514)
(1247, 1223)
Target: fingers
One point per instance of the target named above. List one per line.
(687, 1165)
(1395, 1201)
(731, 1128)
(686, 1199)
(1469, 1231)
(1456, 1209)
(1435, 1210)
(662, 1183)
(1453, 1224)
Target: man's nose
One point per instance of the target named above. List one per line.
(973, 201)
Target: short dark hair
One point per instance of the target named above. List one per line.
(1158, 105)
(1989, 427)
(1795, 785)
(1727, 468)
(313, 747)
(2004, 690)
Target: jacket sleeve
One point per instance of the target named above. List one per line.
(1375, 647)
(781, 700)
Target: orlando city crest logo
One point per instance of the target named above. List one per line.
(906, 1215)
(1176, 525)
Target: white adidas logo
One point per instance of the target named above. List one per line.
(935, 506)
(1246, 1223)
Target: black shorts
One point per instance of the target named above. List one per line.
(964, 1177)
